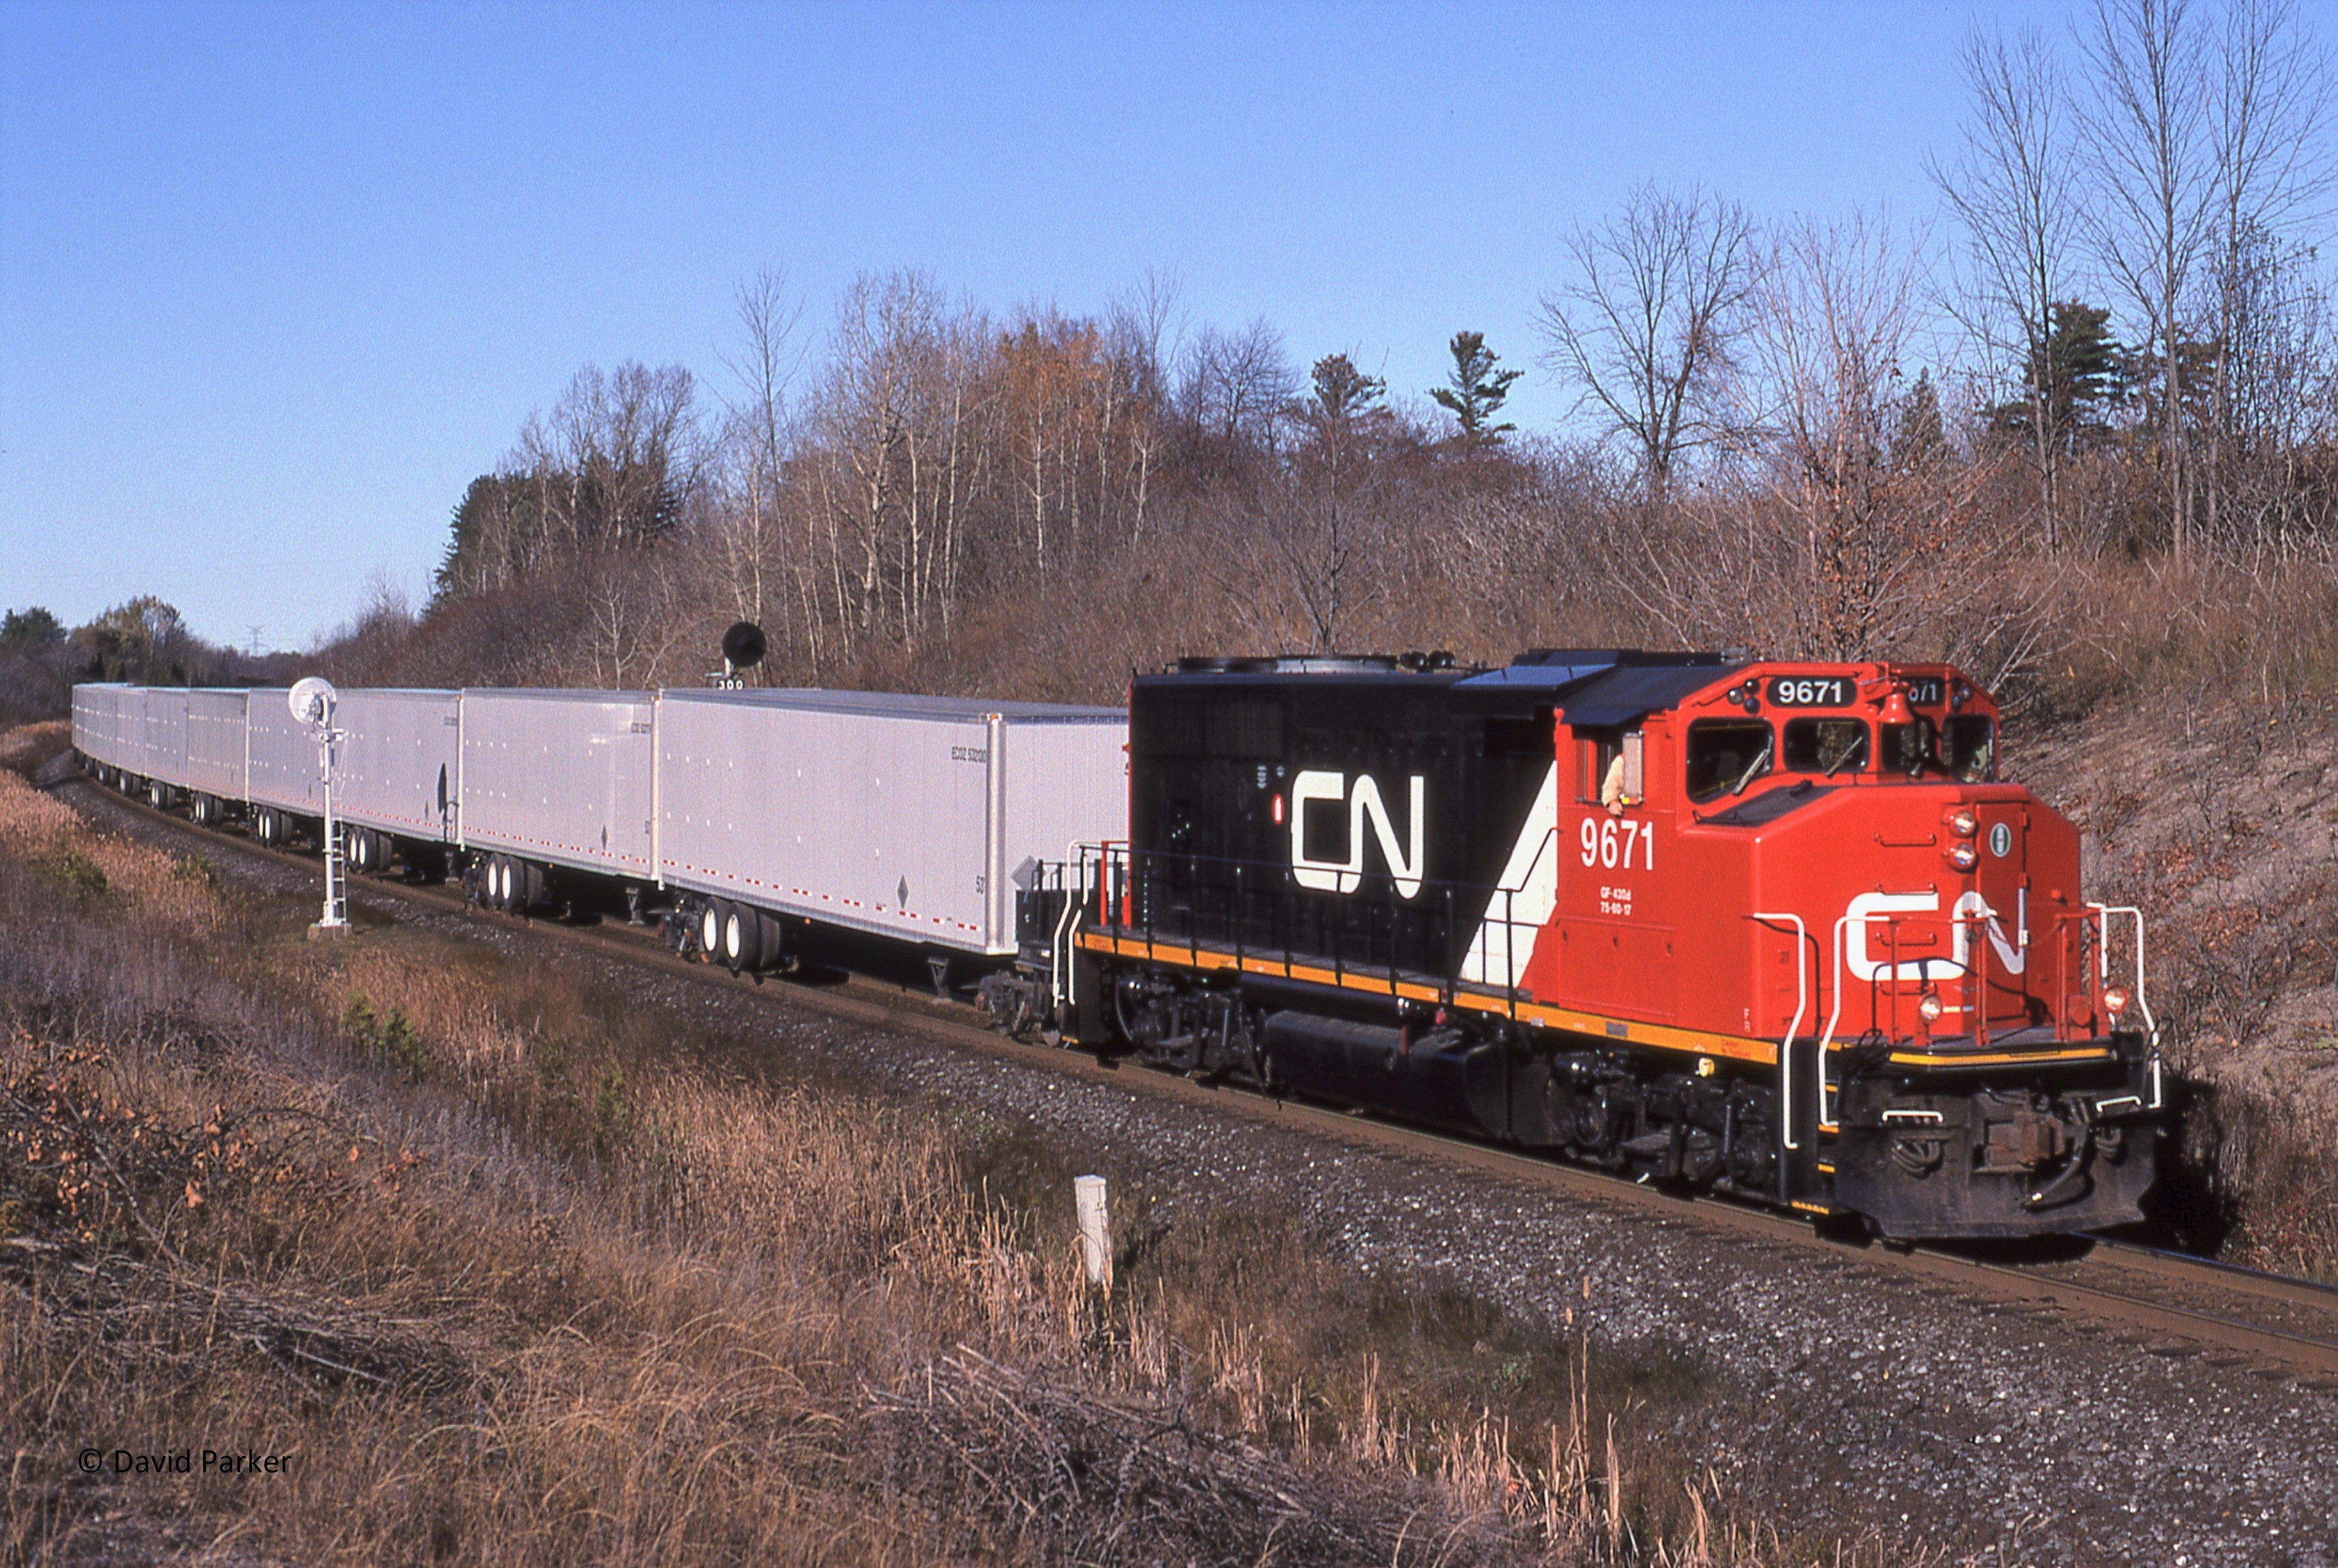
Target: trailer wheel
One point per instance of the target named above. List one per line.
(710, 929)
(739, 939)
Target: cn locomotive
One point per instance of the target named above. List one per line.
(1768, 929)
(1771, 930)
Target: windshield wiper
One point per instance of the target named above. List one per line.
(1761, 758)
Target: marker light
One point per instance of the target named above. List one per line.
(1963, 856)
(1278, 810)
(1963, 823)
(1930, 1008)
(2115, 1001)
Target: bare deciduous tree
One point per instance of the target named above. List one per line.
(2268, 126)
(1646, 321)
(1236, 386)
(2148, 133)
(2012, 187)
(755, 435)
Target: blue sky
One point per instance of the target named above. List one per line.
(277, 281)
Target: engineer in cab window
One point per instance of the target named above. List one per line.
(1620, 787)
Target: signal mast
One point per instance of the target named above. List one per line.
(312, 700)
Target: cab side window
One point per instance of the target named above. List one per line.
(1825, 746)
(1595, 751)
(1597, 754)
(1725, 755)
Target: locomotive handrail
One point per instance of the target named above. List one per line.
(2103, 954)
(1064, 976)
(1826, 1041)
(1786, 1046)
(1510, 913)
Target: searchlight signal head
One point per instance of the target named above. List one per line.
(743, 645)
(742, 649)
(312, 700)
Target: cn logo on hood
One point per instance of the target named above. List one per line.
(1364, 805)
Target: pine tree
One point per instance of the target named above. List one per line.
(1474, 393)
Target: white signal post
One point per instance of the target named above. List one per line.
(312, 699)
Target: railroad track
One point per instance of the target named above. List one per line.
(2145, 1300)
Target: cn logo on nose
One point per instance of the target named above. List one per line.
(1364, 806)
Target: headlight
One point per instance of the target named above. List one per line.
(1930, 1008)
(1963, 823)
(1963, 856)
(2115, 1001)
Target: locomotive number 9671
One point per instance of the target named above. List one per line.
(1811, 692)
(1611, 843)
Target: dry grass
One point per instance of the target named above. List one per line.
(27, 746)
(515, 1278)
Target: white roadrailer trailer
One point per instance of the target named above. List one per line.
(906, 817)
(162, 727)
(397, 761)
(101, 727)
(281, 761)
(215, 759)
(559, 777)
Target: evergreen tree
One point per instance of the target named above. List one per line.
(29, 631)
(1475, 391)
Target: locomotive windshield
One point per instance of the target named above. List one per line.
(1825, 746)
(1912, 750)
(1971, 742)
(1725, 755)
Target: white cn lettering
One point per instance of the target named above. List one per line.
(1364, 806)
(1970, 910)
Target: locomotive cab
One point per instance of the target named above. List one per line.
(1770, 928)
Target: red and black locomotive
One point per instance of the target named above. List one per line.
(1773, 930)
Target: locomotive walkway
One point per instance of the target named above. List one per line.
(2092, 1403)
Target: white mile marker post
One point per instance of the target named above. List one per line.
(1095, 1228)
